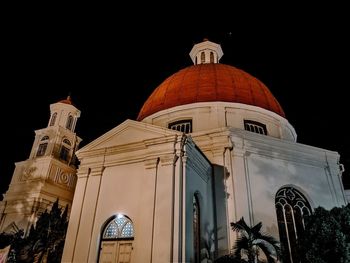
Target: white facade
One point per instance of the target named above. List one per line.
(130, 171)
(178, 192)
(207, 116)
(49, 172)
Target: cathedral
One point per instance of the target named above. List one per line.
(210, 145)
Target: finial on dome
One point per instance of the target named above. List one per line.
(206, 52)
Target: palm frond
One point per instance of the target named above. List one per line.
(256, 229)
(271, 252)
(242, 243)
(241, 227)
(252, 240)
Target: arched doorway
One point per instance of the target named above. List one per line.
(117, 240)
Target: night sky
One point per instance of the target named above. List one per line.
(110, 66)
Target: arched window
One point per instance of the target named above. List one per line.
(53, 119)
(42, 146)
(69, 124)
(117, 240)
(65, 149)
(202, 57)
(291, 207)
(64, 154)
(66, 141)
(211, 57)
(196, 230)
(42, 149)
(119, 227)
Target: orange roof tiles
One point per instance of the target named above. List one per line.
(206, 83)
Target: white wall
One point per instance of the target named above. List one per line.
(207, 116)
(198, 180)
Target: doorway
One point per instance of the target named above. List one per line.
(117, 240)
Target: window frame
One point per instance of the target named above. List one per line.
(255, 126)
(69, 124)
(291, 206)
(212, 57)
(53, 119)
(179, 123)
(42, 148)
(112, 220)
(202, 57)
(64, 153)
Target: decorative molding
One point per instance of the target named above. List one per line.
(151, 163)
(97, 171)
(159, 132)
(167, 159)
(65, 178)
(28, 173)
(262, 145)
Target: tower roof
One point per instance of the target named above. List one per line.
(68, 100)
(207, 83)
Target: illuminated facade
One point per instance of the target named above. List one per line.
(210, 145)
(49, 172)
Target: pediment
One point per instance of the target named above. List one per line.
(127, 132)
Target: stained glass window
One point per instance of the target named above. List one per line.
(119, 227)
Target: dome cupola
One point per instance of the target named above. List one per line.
(206, 52)
(224, 95)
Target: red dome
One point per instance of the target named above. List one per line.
(210, 82)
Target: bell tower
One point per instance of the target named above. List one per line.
(49, 172)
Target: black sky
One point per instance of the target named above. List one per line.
(111, 65)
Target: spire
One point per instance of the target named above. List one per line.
(206, 52)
